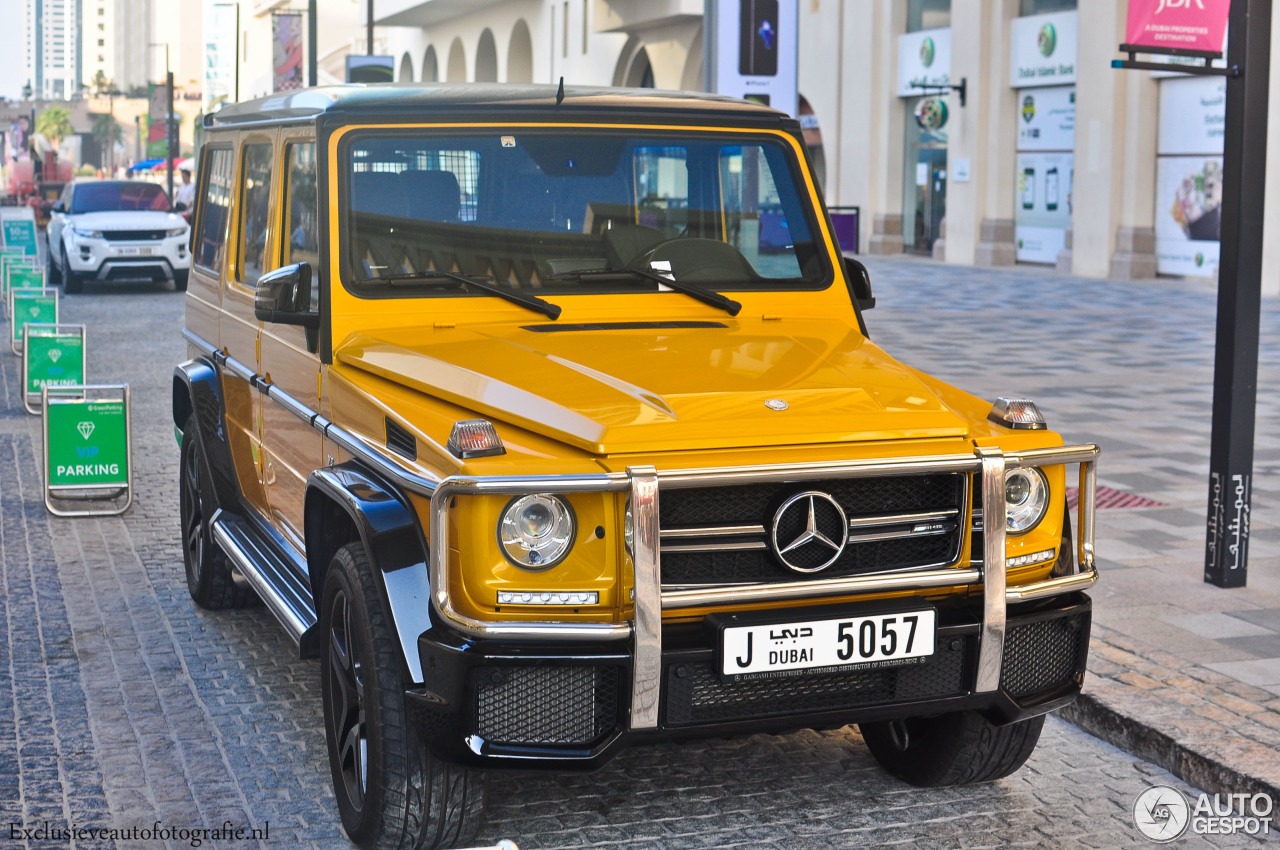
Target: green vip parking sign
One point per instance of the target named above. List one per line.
(88, 443)
(31, 305)
(87, 449)
(52, 356)
(25, 277)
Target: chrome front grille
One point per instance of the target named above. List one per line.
(715, 536)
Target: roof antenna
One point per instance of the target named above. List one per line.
(560, 92)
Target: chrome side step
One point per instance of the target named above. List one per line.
(271, 577)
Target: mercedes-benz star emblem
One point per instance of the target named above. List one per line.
(809, 532)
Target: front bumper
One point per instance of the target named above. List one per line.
(505, 704)
(627, 677)
(95, 258)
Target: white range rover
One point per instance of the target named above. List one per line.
(116, 230)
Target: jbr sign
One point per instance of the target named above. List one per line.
(52, 356)
(87, 448)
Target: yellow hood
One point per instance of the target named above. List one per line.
(642, 387)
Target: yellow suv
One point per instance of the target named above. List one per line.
(548, 420)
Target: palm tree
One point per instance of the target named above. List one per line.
(107, 132)
(54, 123)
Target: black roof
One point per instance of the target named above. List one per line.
(408, 102)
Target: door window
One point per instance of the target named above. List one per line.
(255, 211)
(212, 237)
(302, 212)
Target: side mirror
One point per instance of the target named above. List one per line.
(179, 206)
(859, 283)
(59, 208)
(283, 296)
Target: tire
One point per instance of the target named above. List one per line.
(962, 748)
(210, 581)
(72, 283)
(180, 280)
(391, 792)
(55, 271)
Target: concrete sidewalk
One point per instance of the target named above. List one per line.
(1182, 673)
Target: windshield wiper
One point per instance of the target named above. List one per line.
(706, 296)
(483, 283)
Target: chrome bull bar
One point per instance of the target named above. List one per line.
(644, 483)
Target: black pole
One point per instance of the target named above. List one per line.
(170, 129)
(1235, 370)
(368, 36)
(312, 74)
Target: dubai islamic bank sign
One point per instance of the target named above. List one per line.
(1169, 25)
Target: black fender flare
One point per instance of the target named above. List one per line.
(347, 502)
(197, 389)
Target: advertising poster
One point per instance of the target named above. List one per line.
(752, 49)
(286, 46)
(924, 59)
(1047, 119)
(1188, 214)
(1042, 212)
(1043, 50)
(1189, 144)
(1178, 24)
(158, 108)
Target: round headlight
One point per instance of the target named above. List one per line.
(536, 531)
(628, 529)
(1026, 495)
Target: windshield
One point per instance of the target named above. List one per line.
(561, 213)
(106, 197)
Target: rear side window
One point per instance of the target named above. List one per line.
(255, 211)
(210, 249)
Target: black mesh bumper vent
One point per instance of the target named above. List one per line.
(549, 706)
(695, 694)
(1043, 655)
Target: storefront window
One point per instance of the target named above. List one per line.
(924, 196)
(1045, 7)
(930, 14)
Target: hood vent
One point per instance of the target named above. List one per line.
(400, 441)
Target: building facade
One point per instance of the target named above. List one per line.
(51, 50)
(1052, 158)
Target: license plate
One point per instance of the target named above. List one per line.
(135, 252)
(873, 640)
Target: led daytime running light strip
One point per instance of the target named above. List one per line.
(1033, 558)
(519, 597)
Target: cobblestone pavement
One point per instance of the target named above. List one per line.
(122, 705)
(1182, 672)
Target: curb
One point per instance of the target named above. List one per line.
(1199, 769)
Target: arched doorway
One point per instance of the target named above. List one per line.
(486, 58)
(457, 72)
(430, 66)
(520, 54)
(406, 69)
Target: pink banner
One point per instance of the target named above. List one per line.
(1178, 24)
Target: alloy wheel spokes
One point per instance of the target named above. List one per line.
(347, 702)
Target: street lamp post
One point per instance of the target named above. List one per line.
(168, 118)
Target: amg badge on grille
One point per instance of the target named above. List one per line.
(809, 532)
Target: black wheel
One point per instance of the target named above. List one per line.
(180, 280)
(55, 271)
(953, 749)
(391, 792)
(72, 283)
(210, 580)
